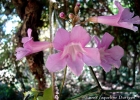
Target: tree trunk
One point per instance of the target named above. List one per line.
(30, 12)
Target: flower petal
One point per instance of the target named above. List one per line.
(54, 63)
(113, 62)
(29, 31)
(37, 46)
(113, 56)
(135, 20)
(106, 40)
(107, 67)
(128, 25)
(80, 35)
(76, 66)
(26, 39)
(91, 57)
(126, 15)
(106, 20)
(119, 6)
(61, 39)
(117, 64)
(115, 52)
(21, 52)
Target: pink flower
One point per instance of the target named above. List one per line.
(72, 51)
(124, 18)
(30, 46)
(109, 57)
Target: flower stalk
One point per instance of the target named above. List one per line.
(51, 49)
(94, 77)
(63, 81)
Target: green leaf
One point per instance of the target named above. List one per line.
(40, 98)
(34, 92)
(48, 94)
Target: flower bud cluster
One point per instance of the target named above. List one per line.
(74, 17)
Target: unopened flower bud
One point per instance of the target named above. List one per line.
(77, 7)
(71, 15)
(62, 15)
(76, 19)
(78, 4)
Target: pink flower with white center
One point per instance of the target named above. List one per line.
(30, 46)
(124, 18)
(109, 57)
(72, 51)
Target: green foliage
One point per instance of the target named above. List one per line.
(7, 93)
(47, 95)
(39, 95)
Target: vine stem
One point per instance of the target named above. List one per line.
(63, 81)
(129, 90)
(51, 49)
(94, 77)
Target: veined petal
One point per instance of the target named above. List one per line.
(135, 20)
(128, 25)
(72, 49)
(106, 40)
(115, 52)
(21, 52)
(76, 65)
(113, 62)
(91, 57)
(117, 64)
(107, 67)
(28, 45)
(54, 63)
(126, 15)
(61, 39)
(79, 35)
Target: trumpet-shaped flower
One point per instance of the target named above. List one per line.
(30, 46)
(111, 56)
(124, 18)
(72, 51)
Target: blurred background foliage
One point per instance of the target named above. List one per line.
(16, 77)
